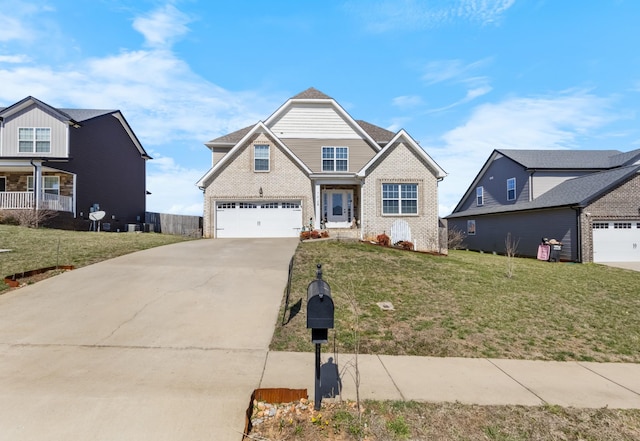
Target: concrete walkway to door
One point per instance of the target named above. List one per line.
(163, 344)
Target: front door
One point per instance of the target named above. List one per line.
(338, 208)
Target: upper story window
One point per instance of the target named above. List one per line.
(480, 196)
(399, 198)
(51, 184)
(261, 158)
(511, 189)
(34, 140)
(335, 158)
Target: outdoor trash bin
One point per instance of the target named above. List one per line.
(554, 254)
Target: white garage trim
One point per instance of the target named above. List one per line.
(616, 240)
(258, 218)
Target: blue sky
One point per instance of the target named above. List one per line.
(461, 76)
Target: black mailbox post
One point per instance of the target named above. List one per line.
(319, 319)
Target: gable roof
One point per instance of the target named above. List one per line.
(588, 160)
(74, 117)
(409, 141)
(561, 159)
(260, 126)
(576, 192)
(376, 135)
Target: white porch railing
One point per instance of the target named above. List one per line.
(19, 200)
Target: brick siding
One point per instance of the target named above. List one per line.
(616, 204)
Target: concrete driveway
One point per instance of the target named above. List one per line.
(163, 344)
(634, 266)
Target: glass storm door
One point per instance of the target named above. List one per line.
(338, 206)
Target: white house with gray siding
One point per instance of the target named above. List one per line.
(589, 200)
(310, 165)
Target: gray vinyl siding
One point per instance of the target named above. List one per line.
(494, 183)
(34, 116)
(527, 227)
(544, 181)
(310, 151)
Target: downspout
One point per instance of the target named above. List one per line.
(578, 211)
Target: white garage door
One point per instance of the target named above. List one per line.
(258, 219)
(616, 241)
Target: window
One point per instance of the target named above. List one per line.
(399, 198)
(335, 158)
(290, 205)
(247, 205)
(622, 225)
(226, 205)
(34, 140)
(51, 184)
(471, 227)
(3, 183)
(600, 225)
(269, 205)
(511, 189)
(479, 196)
(261, 158)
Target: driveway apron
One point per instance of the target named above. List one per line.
(163, 344)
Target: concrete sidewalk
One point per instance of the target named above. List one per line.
(464, 380)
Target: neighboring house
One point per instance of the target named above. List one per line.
(589, 200)
(71, 161)
(311, 165)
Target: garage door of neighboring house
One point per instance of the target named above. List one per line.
(616, 241)
(258, 219)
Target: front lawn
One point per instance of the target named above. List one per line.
(33, 249)
(464, 305)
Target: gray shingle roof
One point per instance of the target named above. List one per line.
(562, 159)
(311, 94)
(625, 158)
(378, 134)
(80, 115)
(572, 192)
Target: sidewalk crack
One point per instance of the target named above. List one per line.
(521, 384)
(608, 379)
(392, 380)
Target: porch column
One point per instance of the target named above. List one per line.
(37, 183)
(317, 212)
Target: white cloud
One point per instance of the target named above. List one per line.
(162, 26)
(172, 110)
(173, 188)
(407, 101)
(393, 15)
(546, 122)
(15, 59)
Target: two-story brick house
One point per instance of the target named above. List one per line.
(311, 165)
(589, 200)
(71, 161)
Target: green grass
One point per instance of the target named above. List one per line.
(464, 305)
(40, 248)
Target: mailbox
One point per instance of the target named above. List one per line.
(319, 309)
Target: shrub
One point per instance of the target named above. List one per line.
(315, 234)
(383, 240)
(455, 238)
(324, 234)
(405, 245)
(305, 235)
(26, 218)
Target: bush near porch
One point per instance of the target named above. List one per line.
(464, 305)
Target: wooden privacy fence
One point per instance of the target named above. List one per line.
(177, 224)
